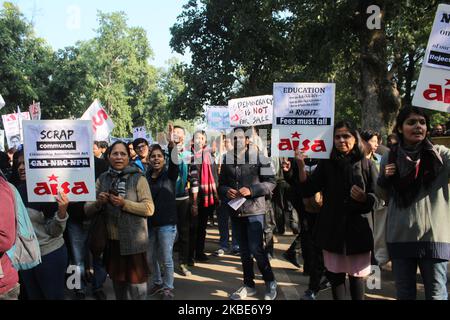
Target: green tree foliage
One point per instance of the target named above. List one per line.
(239, 48)
(114, 67)
(25, 61)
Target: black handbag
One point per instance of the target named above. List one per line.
(98, 234)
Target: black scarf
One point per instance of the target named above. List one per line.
(417, 167)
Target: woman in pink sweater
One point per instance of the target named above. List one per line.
(9, 280)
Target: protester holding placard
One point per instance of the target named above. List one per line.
(47, 280)
(342, 228)
(414, 179)
(124, 197)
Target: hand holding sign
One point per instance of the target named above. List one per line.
(300, 158)
(63, 203)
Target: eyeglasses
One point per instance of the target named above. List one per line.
(141, 146)
(343, 136)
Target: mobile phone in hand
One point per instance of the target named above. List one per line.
(114, 192)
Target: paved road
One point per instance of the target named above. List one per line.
(220, 276)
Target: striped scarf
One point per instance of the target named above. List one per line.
(119, 182)
(207, 183)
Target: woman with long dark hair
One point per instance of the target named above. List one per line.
(163, 224)
(46, 281)
(414, 179)
(347, 181)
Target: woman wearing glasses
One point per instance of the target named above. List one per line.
(347, 181)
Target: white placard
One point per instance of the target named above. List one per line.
(218, 117)
(2, 140)
(438, 48)
(303, 117)
(13, 125)
(59, 156)
(102, 124)
(2, 102)
(433, 89)
(139, 132)
(35, 111)
(251, 111)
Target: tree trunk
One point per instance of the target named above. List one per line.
(380, 97)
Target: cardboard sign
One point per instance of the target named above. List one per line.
(303, 119)
(139, 132)
(102, 124)
(2, 102)
(433, 89)
(59, 156)
(2, 140)
(438, 48)
(13, 128)
(251, 111)
(35, 111)
(218, 118)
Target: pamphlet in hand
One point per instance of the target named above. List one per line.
(237, 202)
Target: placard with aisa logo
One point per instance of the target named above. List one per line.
(59, 157)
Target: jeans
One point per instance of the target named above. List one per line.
(250, 235)
(100, 274)
(161, 252)
(223, 219)
(434, 275)
(78, 235)
(46, 281)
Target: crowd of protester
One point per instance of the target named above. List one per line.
(154, 201)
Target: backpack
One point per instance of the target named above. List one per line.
(25, 254)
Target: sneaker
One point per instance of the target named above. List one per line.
(324, 285)
(309, 295)
(185, 271)
(292, 258)
(243, 292)
(157, 288)
(167, 294)
(219, 252)
(271, 290)
(99, 295)
(202, 258)
(236, 252)
(275, 239)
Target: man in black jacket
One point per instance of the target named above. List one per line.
(245, 179)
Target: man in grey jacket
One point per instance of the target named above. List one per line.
(245, 179)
